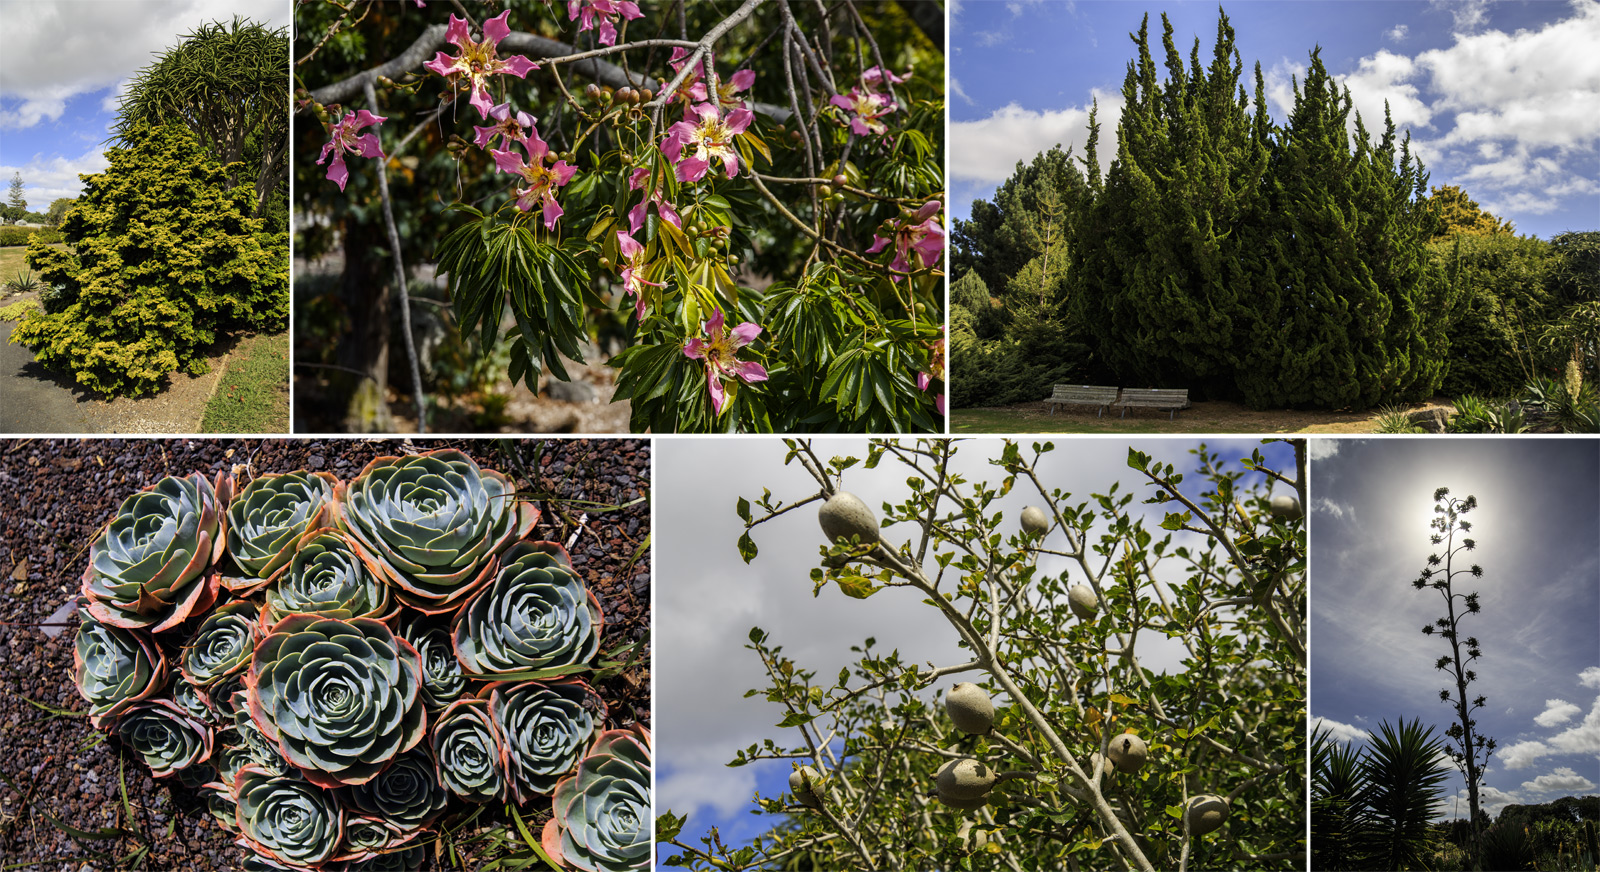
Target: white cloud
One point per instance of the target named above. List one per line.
(1467, 14)
(1340, 732)
(955, 88)
(1556, 711)
(123, 39)
(990, 148)
(1583, 738)
(1491, 799)
(1331, 507)
(1385, 77)
(1322, 449)
(1522, 754)
(50, 179)
(1397, 33)
(1590, 677)
(1562, 779)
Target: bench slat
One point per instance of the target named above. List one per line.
(1082, 395)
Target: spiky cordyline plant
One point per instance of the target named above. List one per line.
(1468, 748)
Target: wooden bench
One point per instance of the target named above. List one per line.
(1099, 396)
(1154, 398)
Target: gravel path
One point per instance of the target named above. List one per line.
(58, 493)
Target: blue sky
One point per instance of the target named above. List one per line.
(1500, 98)
(707, 598)
(1537, 527)
(64, 65)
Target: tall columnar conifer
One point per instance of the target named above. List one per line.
(161, 258)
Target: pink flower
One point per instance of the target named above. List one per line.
(935, 373)
(726, 88)
(718, 350)
(604, 11)
(542, 181)
(921, 233)
(637, 214)
(878, 75)
(478, 61)
(510, 128)
(865, 108)
(342, 138)
(711, 138)
(632, 278)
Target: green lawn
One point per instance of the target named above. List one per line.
(1006, 421)
(12, 262)
(253, 394)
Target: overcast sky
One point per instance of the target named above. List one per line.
(1499, 97)
(1537, 526)
(707, 599)
(63, 65)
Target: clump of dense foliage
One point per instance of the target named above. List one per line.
(162, 260)
(262, 647)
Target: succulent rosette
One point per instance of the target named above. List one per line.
(286, 818)
(115, 668)
(601, 816)
(546, 726)
(536, 614)
(227, 696)
(433, 523)
(405, 794)
(340, 698)
(268, 517)
(150, 566)
(221, 647)
(469, 751)
(442, 680)
(193, 702)
(329, 577)
(366, 837)
(165, 737)
(411, 858)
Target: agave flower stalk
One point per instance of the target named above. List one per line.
(221, 647)
(115, 668)
(546, 726)
(470, 753)
(287, 818)
(330, 577)
(150, 566)
(340, 698)
(432, 523)
(536, 614)
(165, 737)
(600, 817)
(267, 519)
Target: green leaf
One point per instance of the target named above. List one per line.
(747, 547)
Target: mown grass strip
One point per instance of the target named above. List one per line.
(253, 394)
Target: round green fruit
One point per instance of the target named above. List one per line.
(844, 516)
(969, 708)
(1286, 507)
(1083, 601)
(1034, 521)
(1128, 752)
(964, 779)
(1205, 813)
(804, 795)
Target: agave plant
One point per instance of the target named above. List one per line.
(340, 698)
(537, 613)
(221, 647)
(328, 577)
(433, 523)
(286, 818)
(470, 753)
(546, 726)
(115, 668)
(600, 819)
(165, 736)
(270, 515)
(405, 794)
(442, 681)
(150, 566)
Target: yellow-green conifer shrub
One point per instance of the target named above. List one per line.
(163, 261)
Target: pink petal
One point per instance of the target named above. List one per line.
(608, 32)
(715, 322)
(552, 211)
(628, 246)
(714, 384)
(536, 147)
(878, 244)
(678, 54)
(667, 213)
(496, 28)
(637, 179)
(337, 172)
(743, 79)
(367, 145)
(859, 127)
(923, 381)
(325, 149)
(938, 403)
(695, 348)
(562, 172)
(744, 334)
(572, 9)
(692, 169)
(928, 210)
(739, 120)
(480, 101)
(518, 66)
(484, 134)
(508, 161)
(842, 102)
(458, 32)
(364, 118)
(750, 371)
(442, 64)
(636, 217)
(630, 10)
(672, 146)
(929, 248)
(731, 161)
(707, 111)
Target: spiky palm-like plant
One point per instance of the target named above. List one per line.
(1467, 747)
(1403, 775)
(1340, 820)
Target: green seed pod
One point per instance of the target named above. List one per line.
(1286, 507)
(840, 181)
(1083, 601)
(969, 708)
(1204, 814)
(803, 794)
(965, 778)
(1128, 752)
(1034, 521)
(844, 516)
(964, 804)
